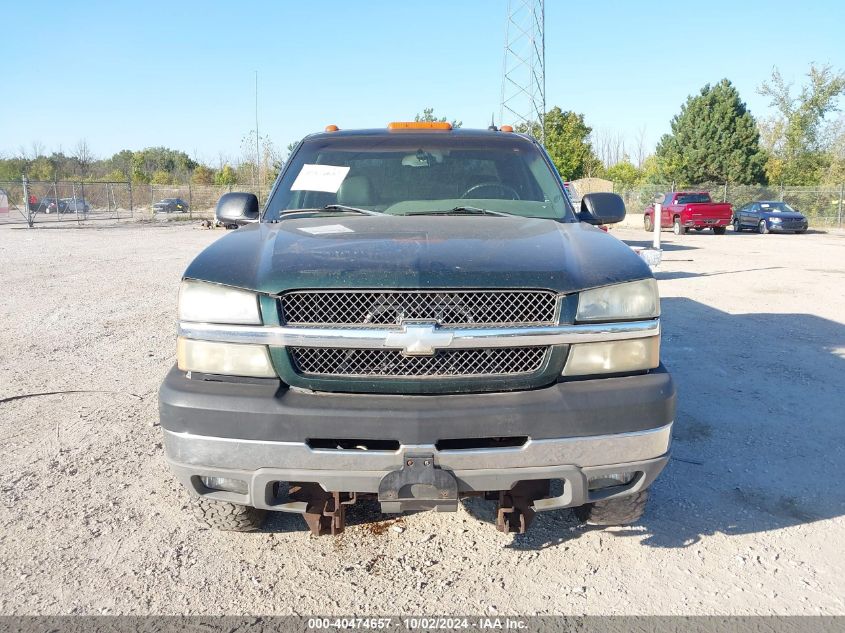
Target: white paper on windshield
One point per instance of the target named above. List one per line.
(764, 205)
(319, 178)
(326, 229)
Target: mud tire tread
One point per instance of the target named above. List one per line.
(228, 517)
(620, 511)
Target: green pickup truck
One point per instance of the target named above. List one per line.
(417, 315)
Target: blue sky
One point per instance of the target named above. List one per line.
(181, 74)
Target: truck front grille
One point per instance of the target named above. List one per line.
(388, 363)
(472, 308)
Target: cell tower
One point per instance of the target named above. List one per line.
(523, 68)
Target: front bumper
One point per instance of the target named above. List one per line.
(775, 227)
(477, 470)
(263, 434)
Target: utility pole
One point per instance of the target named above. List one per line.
(524, 66)
(257, 151)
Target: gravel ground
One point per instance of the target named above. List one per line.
(747, 518)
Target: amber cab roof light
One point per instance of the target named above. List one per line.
(332, 128)
(506, 128)
(419, 125)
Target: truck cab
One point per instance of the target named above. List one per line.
(417, 315)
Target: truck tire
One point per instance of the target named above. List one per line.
(647, 224)
(677, 227)
(737, 226)
(619, 511)
(719, 230)
(230, 517)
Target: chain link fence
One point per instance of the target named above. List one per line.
(40, 202)
(824, 205)
(31, 202)
(67, 201)
(198, 201)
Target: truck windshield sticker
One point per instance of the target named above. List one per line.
(326, 229)
(319, 178)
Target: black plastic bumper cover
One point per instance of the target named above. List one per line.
(268, 410)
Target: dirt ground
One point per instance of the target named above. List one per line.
(747, 518)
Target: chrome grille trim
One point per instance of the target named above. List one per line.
(461, 338)
(390, 363)
(448, 308)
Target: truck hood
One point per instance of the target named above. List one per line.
(417, 252)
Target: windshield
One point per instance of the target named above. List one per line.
(693, 198)
(776, 207)
(404, 174)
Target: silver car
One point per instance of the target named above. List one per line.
(76, 205)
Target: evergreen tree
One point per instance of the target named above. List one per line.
(714, 138)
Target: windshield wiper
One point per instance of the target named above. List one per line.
(330, 207)
(463, 210)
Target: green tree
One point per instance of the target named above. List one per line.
(202, 175)
(226, 176)
(161, 177)
(623, 174)
(428, 116)
(714, 138)
(148, 161)
(42, 168)
(651, 172)
(114, 176)
(799, 151)
(120, 162)
(568, 143)
(246, 173)
(11, 169)
(836, 172)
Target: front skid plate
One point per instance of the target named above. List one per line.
(418, 485)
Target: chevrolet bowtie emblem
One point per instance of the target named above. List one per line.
(419, 339)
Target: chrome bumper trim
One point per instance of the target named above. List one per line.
(448, 338)
(200, 451)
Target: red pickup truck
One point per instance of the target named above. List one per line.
(684, 210)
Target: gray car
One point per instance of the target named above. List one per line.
(768, 217)
(76, 205)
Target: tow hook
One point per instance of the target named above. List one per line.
(326, 511)
(515, 509)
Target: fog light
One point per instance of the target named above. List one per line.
(231, 359)
(225, 484)
(611, 357)
(608, 480)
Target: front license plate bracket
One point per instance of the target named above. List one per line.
(418, 485)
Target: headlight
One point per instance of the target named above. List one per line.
(620, 302)
(613, 357)
(210, 303)
(231, 359)
(775, 220)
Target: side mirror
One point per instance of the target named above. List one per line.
(237, 208)
(602, 208)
